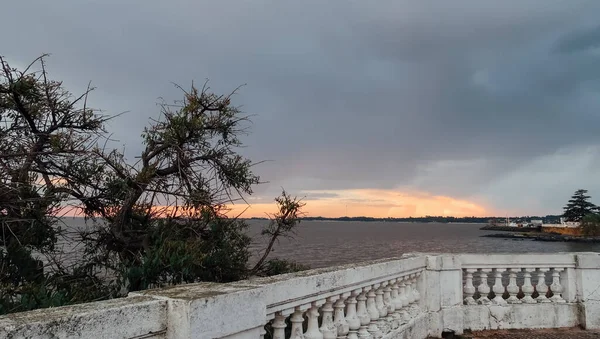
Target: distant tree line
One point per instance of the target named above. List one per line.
(437, 219)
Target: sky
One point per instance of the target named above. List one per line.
(386, 108)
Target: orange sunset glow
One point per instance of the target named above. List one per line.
(373, 203)
(363, 202)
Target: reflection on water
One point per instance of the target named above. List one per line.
(322, 244)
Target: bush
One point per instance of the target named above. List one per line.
(590, 225)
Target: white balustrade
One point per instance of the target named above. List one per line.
(528, 288)
(498, 288)
(517, 294)
(279, 326)
(483, 288)
(369, 312)
(409, 290)
(363, 314)
(297, 319)
(312, 328)
(373, 328)
(513, 288)
(352, 316)
(370, 301)
(411, 296)
(397, 304)
(404, 298)
(328, 328)
(469, 288)
(382, 324)
(541, 286)
(390, 307)
(339, 319)
(416, 293)
(377, 308)
(556, 286)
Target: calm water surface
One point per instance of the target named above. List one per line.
(322, 244)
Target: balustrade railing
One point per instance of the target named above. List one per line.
(511, 292)
(503, 281)
(415, 296)
(370, 309)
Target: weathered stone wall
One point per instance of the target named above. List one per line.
(241, 309)
(118, 318)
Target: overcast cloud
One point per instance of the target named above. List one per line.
(495, 102)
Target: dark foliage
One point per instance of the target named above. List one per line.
(579, 206)
(159, 220)
(590, 225)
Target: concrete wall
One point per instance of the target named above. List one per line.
(118, 318)
(241, 309)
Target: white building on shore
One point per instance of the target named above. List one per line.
(564, 224)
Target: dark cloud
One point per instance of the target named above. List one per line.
(579, 41)
(451, 98)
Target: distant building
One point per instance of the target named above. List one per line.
(564, 224)
(565, 227)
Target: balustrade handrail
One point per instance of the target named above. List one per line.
(530, 260)
(422, 293)
(416, 263)
(308, 298)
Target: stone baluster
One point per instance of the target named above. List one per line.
(312, 327)
(527, 287)
(397, 301)
(468, 288)
(328, 328)
(541, 286)
(483, 288)
(339, 319)
(416, 290)
(404, 299)
(297, 319)
(512, 288)
(352, 315)
(410, 296)
(498, 288)
(381, 308)
(279, 326)
(363, 314)
(556, 286)
(374, 330)
(391, 306)
(410, 289)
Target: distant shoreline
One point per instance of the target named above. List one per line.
(409, 220)
(551, 237)
(510, 229)
(392, 222)
(426, 219)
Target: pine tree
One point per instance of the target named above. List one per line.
(579, 206)
(161, 220)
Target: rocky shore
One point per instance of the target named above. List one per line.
(544, 237)
(510, 229)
